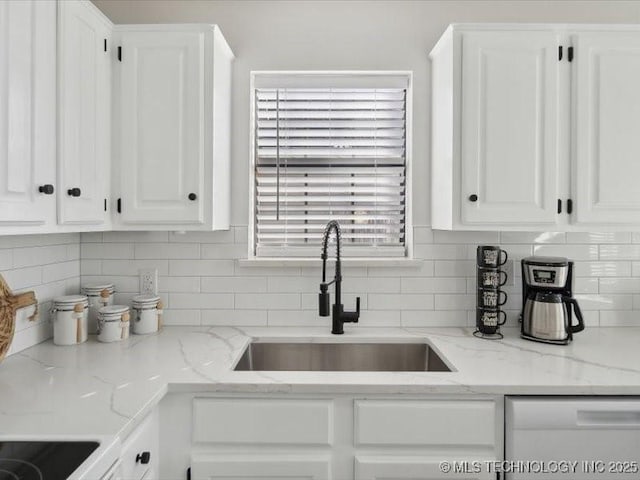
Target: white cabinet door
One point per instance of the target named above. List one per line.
(390, 467)
(260, 467)
(27, 111)
(606, 106)
(509, 137)
(162, 105)
(84, 51)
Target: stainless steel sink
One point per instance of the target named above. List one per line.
(341, 357)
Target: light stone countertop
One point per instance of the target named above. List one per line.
(107, 389)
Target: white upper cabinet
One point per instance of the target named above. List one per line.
(536, 127)
(173, 93)
(27, 113)
(509, 127)
(84, 134)
(606, 103)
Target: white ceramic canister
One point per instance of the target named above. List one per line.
(69, 316)
(147, 314)
(99, 295)
(113, 323)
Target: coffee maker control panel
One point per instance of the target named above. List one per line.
(547, 276)
(544, 276)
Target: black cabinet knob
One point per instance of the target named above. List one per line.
(192, 197)
(46, 189)
(143, 457)
(473, 198)
(74, 192)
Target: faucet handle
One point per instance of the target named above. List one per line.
(324, 301)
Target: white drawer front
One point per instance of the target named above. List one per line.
(263, 421)
(425, 423)
(260, 467)
(145, 438)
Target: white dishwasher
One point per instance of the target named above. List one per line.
(572, 438)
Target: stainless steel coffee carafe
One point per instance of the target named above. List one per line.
(548, 300)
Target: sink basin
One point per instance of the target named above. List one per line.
(341, 357)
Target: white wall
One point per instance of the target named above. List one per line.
(199, 277)
(47, 264)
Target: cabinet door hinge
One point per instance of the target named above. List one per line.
(119, 53)
(105, 204)
(559, 205)
(119, 205)
(189, 473)
(105, 44)
(560, 53)
(570, 54)
(569, 206)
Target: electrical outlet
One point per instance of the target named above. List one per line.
(148, 280)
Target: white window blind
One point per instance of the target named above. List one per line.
(330, 154)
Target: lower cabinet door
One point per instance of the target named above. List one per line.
(260, 467)
(415, 468)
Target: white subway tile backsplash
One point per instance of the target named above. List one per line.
(532, 237)
(440, 252)
(296, 318)
(620, 252)
(433, 285)
(205, 283)
(180, 251)
(237, 317)
(454, 302)
(454, 268)
(201, 268)
(268, 301)
(181, 317)
(201, 301)
(47, 264)
(223, 250)
(574, 252)
(6, 259)
(225, 236)
(605, 301)
(233, 284)
(135, 237)
(424, 269)
(107, 250)
(619, 285)
(178, 284)
(132, 267)
(434, 318)
(477, 238)
(401, 301)
(619, 318)
(602, 269)
(598, 237)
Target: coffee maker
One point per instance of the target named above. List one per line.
(547, 301)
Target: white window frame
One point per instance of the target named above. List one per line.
(313, 78)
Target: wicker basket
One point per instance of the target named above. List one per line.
(9, 305)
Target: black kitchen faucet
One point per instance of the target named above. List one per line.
(339, 316)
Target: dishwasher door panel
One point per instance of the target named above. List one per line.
(601, 434)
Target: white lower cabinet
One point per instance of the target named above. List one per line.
(329, 437)
(384, 467)
(140, 451)
(249, 466)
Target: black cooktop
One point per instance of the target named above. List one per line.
(42, 460)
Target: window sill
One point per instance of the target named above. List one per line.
(317, 262)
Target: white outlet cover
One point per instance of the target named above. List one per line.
(148, 278)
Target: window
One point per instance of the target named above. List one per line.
(330, 147)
